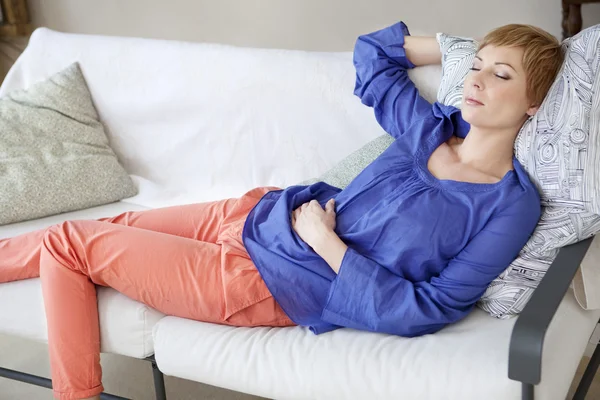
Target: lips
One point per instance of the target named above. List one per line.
(473, 102)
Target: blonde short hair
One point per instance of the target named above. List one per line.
(542, 59)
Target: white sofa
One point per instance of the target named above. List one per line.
(198, 122)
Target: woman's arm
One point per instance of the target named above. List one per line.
(331, 249)
(382, 82)
(422, 50)
(368, 296)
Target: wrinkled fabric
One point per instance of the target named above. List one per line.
(421, 250)
(187, 261)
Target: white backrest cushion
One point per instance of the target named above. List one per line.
(203, 121)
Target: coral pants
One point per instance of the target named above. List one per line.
(186, 261)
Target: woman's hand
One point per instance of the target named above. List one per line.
(317, 228)
(312, 223)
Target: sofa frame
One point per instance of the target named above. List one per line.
(159, 381)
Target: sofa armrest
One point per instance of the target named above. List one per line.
(526, 343)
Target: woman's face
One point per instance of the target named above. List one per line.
(495, 95)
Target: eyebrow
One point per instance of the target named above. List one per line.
(499, 63)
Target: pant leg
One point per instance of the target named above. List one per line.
(200, 221)
(20, 255)
(177, 276)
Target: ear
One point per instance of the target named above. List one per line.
(532, 110)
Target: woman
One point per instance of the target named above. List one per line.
(407, 248)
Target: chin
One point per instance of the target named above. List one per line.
(471, 116)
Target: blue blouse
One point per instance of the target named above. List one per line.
(421, 251)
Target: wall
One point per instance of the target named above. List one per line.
(322, 25)
(327, 25)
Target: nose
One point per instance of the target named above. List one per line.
(476, 80)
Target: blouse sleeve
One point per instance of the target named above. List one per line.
(382, 80)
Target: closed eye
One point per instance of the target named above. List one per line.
(498, 76)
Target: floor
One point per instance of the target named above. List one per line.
(119, 372)
(594, 392)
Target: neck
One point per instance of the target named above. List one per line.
(488, 150)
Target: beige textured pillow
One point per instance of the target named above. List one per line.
(54, 153)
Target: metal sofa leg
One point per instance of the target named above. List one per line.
(527, 391)
(43, 382)
(588, 375)
(159, 380)
(584, 384)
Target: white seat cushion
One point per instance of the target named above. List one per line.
(468, 360)
(125, 325)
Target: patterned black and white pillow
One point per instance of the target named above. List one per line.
(560, 149)
(458, 54)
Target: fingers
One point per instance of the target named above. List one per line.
(315, 210)
(296, 213)
(314, 204)
(330, 206)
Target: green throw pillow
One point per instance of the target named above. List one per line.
(54, 153)
(347, 169)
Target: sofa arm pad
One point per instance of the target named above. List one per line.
(526, 343)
